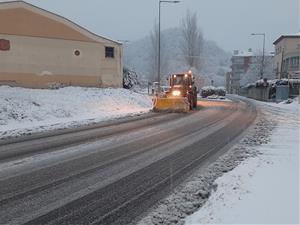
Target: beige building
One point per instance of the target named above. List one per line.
(287, 56)
(40, 49)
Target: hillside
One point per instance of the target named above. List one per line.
(214, 60)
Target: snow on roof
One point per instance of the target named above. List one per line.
(294, 81)
(241, 53)
(273, 82)
(297, 35)
(205, 88)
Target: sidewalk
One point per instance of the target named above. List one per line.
(263, 189)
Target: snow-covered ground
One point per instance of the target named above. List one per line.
(24, 111)
(263, 189)
(255, 182)
(215, 98)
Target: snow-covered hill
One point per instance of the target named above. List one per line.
(23, 111)
(215, 61)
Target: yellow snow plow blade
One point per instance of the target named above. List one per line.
(174, 104)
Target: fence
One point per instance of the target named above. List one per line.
(278, 93)
(258, 93)
(282, 92)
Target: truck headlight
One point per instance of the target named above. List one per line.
(176, 93)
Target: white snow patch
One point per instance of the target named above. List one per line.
(218, 98)
(23, 111)
(263, 189)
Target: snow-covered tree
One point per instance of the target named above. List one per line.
(141, 56)
(254, 72)
(192, 40)
(130, 78)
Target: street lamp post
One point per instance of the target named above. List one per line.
(263, 57)
(158, 64)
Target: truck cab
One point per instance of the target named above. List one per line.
(182, 85)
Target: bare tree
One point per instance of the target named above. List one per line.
(192, 40)
(254, 72)
(153, 52)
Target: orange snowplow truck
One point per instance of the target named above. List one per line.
(181, 96)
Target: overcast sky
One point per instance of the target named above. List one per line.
(227, 22)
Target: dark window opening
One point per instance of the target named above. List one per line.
(4, 45)
(109, 52)
(77, 52)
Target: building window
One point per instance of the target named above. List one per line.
(278, 50)
(294, 62)
(4, 45)
(109, 52)
(298, 46)
(287, 64)
(77, 52)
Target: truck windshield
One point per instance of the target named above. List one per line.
(178, 80)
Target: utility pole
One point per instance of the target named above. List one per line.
(263, 56)
(159, 55)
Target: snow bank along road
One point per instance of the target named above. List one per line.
(112, 174)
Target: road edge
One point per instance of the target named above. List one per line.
(179, 204)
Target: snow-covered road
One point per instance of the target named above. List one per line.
(112, 174)
(256, 181)
(24, 111)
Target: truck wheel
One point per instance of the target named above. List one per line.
(190, 100)
(195, 103)
(191, 105)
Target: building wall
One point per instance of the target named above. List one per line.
(39, 62)
(286, 49)
(42, 51)
(30, 22)
(240, 65)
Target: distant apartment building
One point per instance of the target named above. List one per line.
(240, 62)
(287, 56)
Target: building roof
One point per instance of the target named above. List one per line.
(286, 36)
(56, 17)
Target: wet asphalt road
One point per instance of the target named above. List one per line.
(111, 173)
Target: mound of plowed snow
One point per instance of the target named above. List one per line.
(23, 111)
